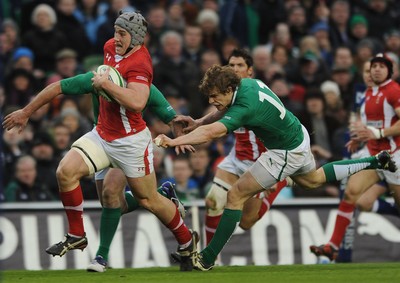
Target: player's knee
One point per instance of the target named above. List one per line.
(216, 198)
(351, 195)
(66, 173)
(110, 197)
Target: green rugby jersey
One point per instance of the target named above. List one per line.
(81, 84)
(255, 107)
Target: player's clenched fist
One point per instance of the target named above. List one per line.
(162, 141)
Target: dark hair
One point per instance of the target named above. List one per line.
(220, 78)
(382, 58)
(244, 54)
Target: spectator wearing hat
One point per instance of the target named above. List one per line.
(334, 103)
(44, 39)
(321, 32)
(307, 72)
(392, 41)
(20, 86)
(66, 66)
(26, 185)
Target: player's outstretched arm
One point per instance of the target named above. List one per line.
(192, 124)
(200, 135)
(177, 130)
(19, 118)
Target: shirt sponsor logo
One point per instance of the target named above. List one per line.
(227, 117)
(142, 78)
(376, 124)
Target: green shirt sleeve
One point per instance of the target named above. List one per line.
(159, 106)
(78, 85)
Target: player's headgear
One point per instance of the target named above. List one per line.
(135, 24)
(382, 58)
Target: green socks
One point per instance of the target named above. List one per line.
(108, 225)
(229, 221)
(338, 170)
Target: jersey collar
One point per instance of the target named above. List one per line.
(234, 95)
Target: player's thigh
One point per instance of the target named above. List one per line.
(367, 199)
(358, 183)
(144, 188)
(114, 182)
(132, 154)
(249, 184)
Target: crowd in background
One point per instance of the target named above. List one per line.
(309, 52)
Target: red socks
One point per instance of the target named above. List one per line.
(179, 229)
(343, 219)
(267, 201)
(73, 205)
(211, 225)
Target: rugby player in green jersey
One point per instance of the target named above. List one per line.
(251, 104)
(111, 194)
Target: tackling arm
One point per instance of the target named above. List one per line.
(200, 135)
(20, 117)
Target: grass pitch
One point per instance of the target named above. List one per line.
(324, 273)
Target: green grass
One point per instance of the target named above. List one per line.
(324, 273)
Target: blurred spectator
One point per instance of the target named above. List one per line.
(343, 58)
(77, 125)
(228, 45)
(297, 23)
(208, 59)
(66, 66)
(291, 96)
(395, 60)
(270, 13)
(9, 41)
(308, 44)
(239, 20)
(106, 30)
(2, 99)
(321, 32)
(273, 69)
(202, 173)
(92, 14)
(73, 29)
(175, 19)
(280, 55)
(13, 147)
(261, 59)
(62, 139)
(339, 22)
(44, 38)
(40, 120)
(392, 41)
(365, 49)
(157, 25)
(208, 21)
(192, 43)
(282, 37)
(20, 87)
(308, 73)
(186, 188)
(162, 162)
(320, 126)
(43, 151)
(344, 77)
(381, 17)
(25, 185)
(174, 71)
(334, 103)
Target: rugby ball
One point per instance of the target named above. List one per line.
(113, 76)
